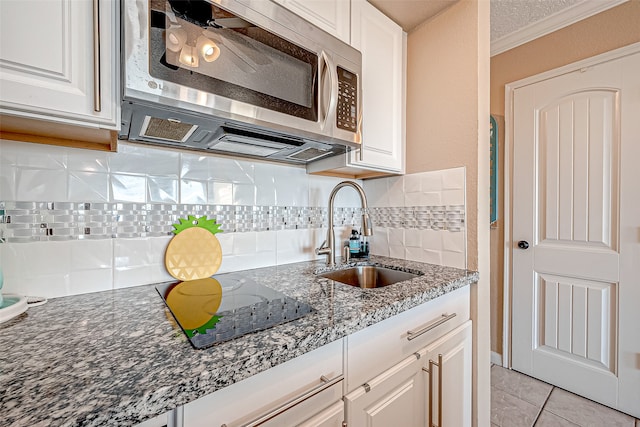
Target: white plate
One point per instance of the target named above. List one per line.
(18, 307)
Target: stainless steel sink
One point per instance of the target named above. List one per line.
(369, 276)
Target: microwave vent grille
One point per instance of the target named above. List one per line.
(167, 129)
(309, 154)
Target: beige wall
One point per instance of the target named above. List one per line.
(447, 125)
(442, 108)
(611, 29)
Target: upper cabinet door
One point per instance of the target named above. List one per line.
(333, 16)
(47, 64)
(383, 46)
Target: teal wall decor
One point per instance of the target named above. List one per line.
(493, 191)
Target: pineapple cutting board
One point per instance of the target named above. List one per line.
(194, 304)
(194, 252)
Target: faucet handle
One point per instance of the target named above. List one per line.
(323, 250)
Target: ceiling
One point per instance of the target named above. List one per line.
(410, 13)
(509, 18)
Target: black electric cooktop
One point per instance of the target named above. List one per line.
(227, 306)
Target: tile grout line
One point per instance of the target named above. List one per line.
(535, 420)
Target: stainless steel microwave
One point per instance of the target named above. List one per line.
(241, 77)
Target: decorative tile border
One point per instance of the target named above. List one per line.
(450, 218)
(51, 221)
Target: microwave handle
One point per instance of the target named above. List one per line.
(328, 105)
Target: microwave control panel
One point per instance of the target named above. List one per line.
(347, 110)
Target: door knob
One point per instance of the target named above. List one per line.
(523, 244)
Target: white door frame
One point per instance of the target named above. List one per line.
(508, 168)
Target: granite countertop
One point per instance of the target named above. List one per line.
(116, 358)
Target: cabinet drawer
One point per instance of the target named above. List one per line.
(260, 394)
(380, 346)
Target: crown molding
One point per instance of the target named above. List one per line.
(552, 23)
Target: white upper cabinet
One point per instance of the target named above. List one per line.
(48, 69)
(382, 44)
(333, 16)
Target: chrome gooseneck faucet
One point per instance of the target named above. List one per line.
(327, 247)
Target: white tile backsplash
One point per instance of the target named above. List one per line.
(140, 174)
(129, 253)
(162, 189)
(292, 187)
(42, 157)
(397, 251)
(453, 179)
(412, 239)
(244, 194)
(265, 182)
(229, 170)
(415, 254)
(377, 192)
(220, 193)
(126, 277)
(41, 184)
(89, 161)
(193, 192)
(432, 256)
(379, 241)
(140, 178)
(431, 181)
(52, 258)
(452, 197)
(396, 237)
(395, 188)
(92, 280)
(412, 183)
(195, 167)
(91, 254)
(425, 215)
(88, 186)
(128, 188)
(7, 182)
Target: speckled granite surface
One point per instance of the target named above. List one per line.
(117, 358)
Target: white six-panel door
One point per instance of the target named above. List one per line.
(576, 231)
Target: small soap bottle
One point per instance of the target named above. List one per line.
(354, 243)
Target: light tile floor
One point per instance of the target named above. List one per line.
(518, 400)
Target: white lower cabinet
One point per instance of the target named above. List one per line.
(378, 347)
(448, 364)
(430, 387)
(285, 395)
(394, 398)
(159, 421)
(331, 416)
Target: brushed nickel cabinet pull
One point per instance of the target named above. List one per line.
(430, 403)
(415, 333)
(175, 418)
(440, 369)
(97, 101)
(430, 398)
(326, 383)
